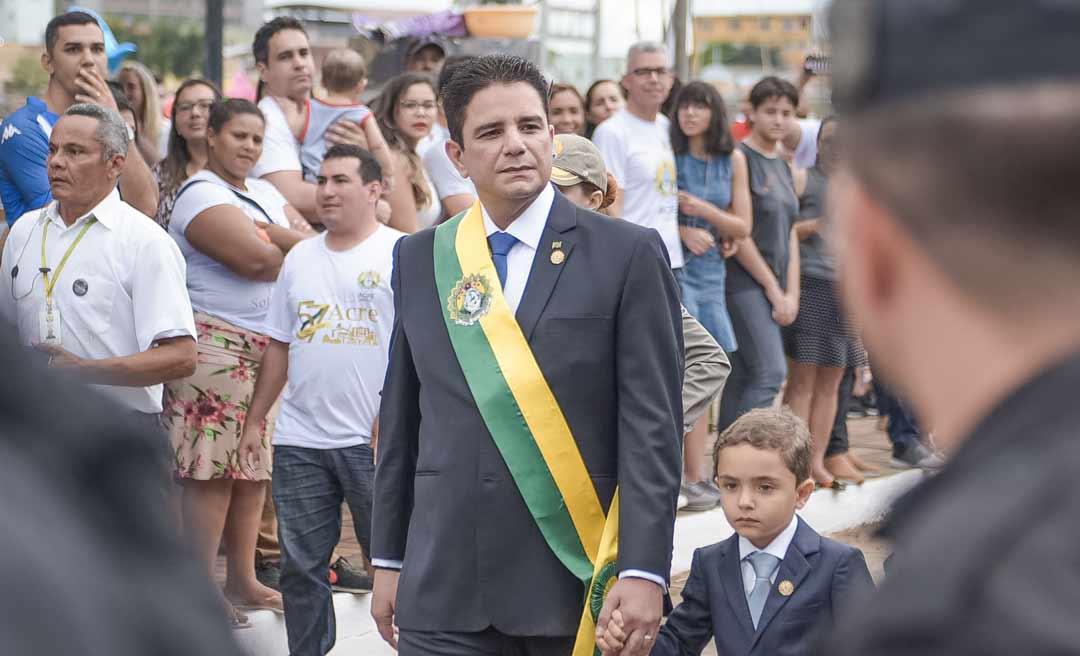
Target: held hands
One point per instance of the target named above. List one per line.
(630, 618)
(93, 89)
(383, 604)
(785, 307)
(698, 240)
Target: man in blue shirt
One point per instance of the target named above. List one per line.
(75, 59)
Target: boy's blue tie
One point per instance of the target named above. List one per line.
(501, 243)
(764, 565)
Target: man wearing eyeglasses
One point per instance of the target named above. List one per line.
(636, 147)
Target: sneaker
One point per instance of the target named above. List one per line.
(269, 574)
(700, 496)
(682, 501)
(918, 456)
(345, 577)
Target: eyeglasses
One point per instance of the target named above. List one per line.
(659, 71)
(413, 106)
(203, 105)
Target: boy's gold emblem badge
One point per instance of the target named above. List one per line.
(786, 588)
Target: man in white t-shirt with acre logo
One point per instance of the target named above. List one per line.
(636, 146)
(329, 321)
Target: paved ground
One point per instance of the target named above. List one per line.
(356, 636)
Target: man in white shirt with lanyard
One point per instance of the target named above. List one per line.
(330, 319)
(90, 282)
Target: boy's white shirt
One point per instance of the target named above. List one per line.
(778, 547)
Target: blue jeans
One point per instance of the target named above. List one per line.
(309, 486)
(903, 426)
(758, 368)
(702, 281)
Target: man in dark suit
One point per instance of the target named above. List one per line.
(462, 566)
(957, 212)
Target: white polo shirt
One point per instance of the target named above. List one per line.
(123, 287)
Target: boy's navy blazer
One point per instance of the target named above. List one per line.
(824, 573)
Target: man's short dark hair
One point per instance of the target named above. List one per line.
(450, 66)
(370, 170)
(260, 46)
(52, 30)
(480, 73)
(992, 204)
(773, 87)
(772, 430)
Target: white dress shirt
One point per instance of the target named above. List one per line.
(528, 228)
(778, 547)
(132, 279)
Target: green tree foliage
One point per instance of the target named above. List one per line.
(729, 54)
(165, 46)
(27, 77)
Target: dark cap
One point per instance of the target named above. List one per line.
(886, 51)
(416, 45)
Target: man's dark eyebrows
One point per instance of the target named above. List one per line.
(533, 117)
(488, 126)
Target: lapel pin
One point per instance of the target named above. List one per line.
(558, 257)
(786, 588)
(79, 287)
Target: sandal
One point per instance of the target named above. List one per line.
(272, 603)
(239, 621)
(837, 486)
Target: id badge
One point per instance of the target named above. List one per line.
(49, 323)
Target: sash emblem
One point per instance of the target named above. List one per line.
(470, 300)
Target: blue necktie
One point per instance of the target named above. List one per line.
(501, 243)
(764, 565)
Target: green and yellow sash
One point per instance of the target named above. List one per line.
(522, 415)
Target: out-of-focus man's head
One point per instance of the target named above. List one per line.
(956, 196)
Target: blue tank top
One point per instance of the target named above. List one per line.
(709, 180)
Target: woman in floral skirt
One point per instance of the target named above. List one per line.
(234, 232)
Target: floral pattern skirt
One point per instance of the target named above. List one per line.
(205, 413)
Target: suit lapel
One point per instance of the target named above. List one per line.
(731, 576)
(794, 568)
(544, 273)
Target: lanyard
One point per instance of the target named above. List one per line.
(49, 285)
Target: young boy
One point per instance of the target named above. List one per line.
(770, 587)
(344, 76)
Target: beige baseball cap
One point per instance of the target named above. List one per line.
(577, 160)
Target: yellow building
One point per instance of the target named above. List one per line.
(768, 34)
